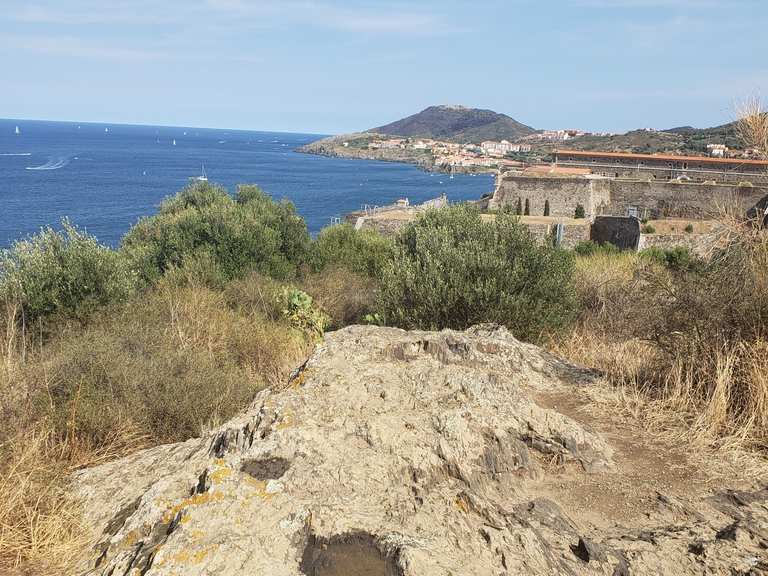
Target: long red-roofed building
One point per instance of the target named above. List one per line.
(666, 166)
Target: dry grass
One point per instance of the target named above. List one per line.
(345, 296)
(161, 368)
(752, 125)
(687, 352)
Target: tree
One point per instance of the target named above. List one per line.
(546, 207)
(519, 207)
(203, 224)
(527, 211)
(579, 212)
(451, 269)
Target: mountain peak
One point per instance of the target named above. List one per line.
(457, 123)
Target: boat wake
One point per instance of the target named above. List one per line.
(53, 163)
(15, 153)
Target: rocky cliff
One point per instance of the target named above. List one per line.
(420, 453)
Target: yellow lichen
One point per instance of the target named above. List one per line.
(195, 500)
(286, 421)
(219, 475)
(299, 380)
(259, 488)
(461, 504)
(187, 556)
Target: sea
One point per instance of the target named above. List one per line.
(104, 177)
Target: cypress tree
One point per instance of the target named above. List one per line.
(546, 207)
(527, 211)
(519, 207)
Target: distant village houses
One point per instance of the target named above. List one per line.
(717, 150)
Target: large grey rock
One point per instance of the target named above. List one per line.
(398, 453)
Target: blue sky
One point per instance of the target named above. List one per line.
(336, 66)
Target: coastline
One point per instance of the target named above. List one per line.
(334, 147)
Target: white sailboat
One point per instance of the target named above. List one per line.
(106, 129)
(174, 141)
(17, 130)
(202, 177)
(452, 168)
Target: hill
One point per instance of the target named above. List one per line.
(681, 140)
(458, 124)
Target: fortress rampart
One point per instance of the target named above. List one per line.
(642, 198)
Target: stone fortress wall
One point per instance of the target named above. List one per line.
(642, 198)
(564, 194)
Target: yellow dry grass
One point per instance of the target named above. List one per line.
(175, 361)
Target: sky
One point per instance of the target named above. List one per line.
(334, 66)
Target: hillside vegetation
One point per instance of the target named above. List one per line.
(457, 124)
(213, 298)
(684, 140)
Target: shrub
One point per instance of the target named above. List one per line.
(67, 273)
(177, 361)
(519, 207)
(648, 229)
(345, 296)
(579, 212)
(590, 247)
(677, 258)
(299, 310)
(546, 207)
(452, 270)
(360, 251)
(231, 236)
(689, 228)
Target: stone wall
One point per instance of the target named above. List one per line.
(654, 199)
(572, 233)
(563, 193)
(701, 244)
(649, 199)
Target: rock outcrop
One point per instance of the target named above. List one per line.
(411, 454)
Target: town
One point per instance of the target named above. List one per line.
(633, 200)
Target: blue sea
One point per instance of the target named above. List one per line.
(104, 177)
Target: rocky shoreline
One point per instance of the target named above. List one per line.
(334, 147)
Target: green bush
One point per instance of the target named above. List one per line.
(579, 212)
(360, 251)
(689, 228)
(452, 270)
(678, 258)
(299, 310)
(231, 237)
(590, 247)
(66, 272)
(648, 229)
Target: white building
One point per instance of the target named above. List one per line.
(717, 150)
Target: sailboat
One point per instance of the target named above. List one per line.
(451, 176)
(17, 130)
(106, 129)
(174, 141)
(202, 177)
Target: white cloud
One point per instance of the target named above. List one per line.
(651, 3)
(376, 18)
